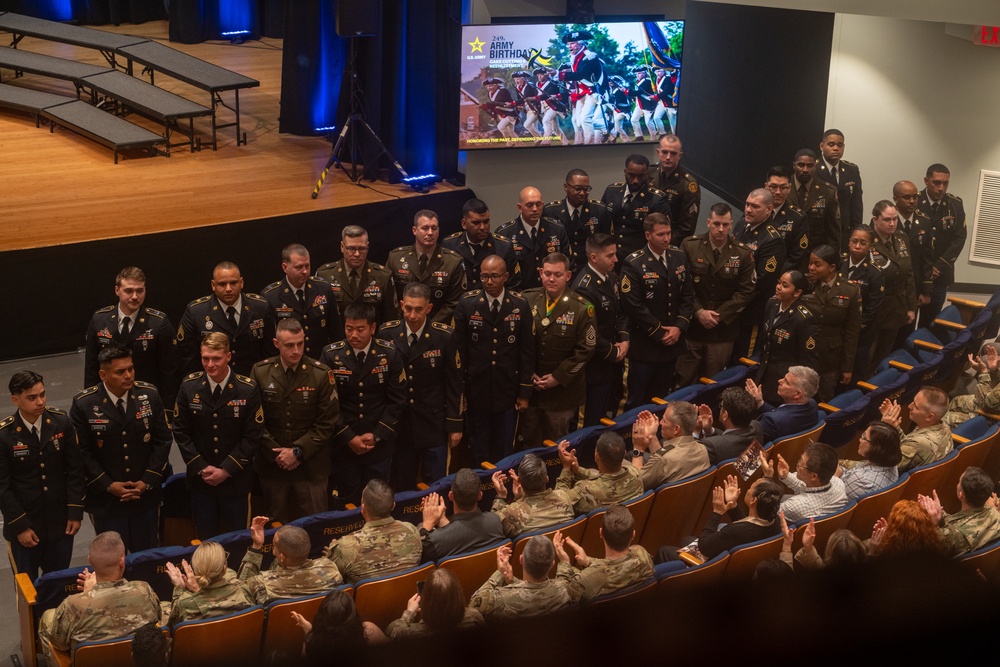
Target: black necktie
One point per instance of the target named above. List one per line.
(423, 264)
(361, 357)
(217, 392)
(850, 272)
(833, 174)
(802, 194)
(717, 253)
(476, 249)
(413, 339)
(663, 262)
(125, 326)
(231, 316)
(533, 234)
(290, 372)
(495, 308)
(354, 281)
(300, 295)
(576, 218)
(34, 432)
(628, 198)
(121, 406)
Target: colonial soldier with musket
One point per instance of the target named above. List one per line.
(354, 279)
(475, 243)
(581, 216)
(525, 100)
(500, 107)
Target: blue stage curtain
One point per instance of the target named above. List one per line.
(312, 68)
(88, 12)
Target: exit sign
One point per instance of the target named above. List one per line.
(986, 35)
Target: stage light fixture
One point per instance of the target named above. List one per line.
(422, 183)
(236, 36)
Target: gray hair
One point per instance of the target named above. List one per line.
(806, 379)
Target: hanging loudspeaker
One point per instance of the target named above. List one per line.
(357, 19)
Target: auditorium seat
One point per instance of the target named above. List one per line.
(197, 643)
(873, 506)
(281, 632)
(743, 559)
(572, 529)
(632, 594)
(472, 568)
(985, 561)
(928, 478)
(672, 578)
(382, 600)
(826, 526)
(639, 507)
(675, 510)
(971, 453)
(94, 654)
(791, 446)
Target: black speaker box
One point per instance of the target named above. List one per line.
(357, 18)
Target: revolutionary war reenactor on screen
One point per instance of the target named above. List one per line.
(587, 72)
(554, 103)
(525, 99)
(500, 107)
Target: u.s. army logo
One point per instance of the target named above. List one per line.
(772, 265)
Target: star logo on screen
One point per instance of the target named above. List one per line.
(477, 45)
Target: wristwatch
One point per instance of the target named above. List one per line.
(424, 532)
(636, 454)
(298, 452)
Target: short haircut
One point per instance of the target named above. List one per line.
(216, 340)
(225, 266)
(133, 273)
(831, 131)
(721, 209)
(424, 213)
(150, 646)
(111, 353)
(768, 494)
(474, 205)
(977, 486)
(779, 172)
(576, 172)
(289, 324)
(533, 474)
(670, 138)
(739, 405)
(494, 259)
(881, 206)
(611, 448)
(599, 241)
(209, 563)
(557, 258)
(378, 499)
(654, 219)
(465, 489)
(106, 549)
(684, 414)
(806, 379)
(352, 232)
(538, 556)
(618, 528)
(822, 460)
(827, 254)
(805, 152)
(22, 381)
(637, 158)
(798, 280)
(417, 291)
(293, 249)
(937, 168)
(763, 194)
(937, 400)
(293, 542)
(884, 441)
(360, 311)
(866, 229)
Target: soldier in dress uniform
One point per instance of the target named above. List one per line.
(309, 300)
(755, 231)
(432, 419)
(789, 335)
(371, 383)
(942, 246)
(244, 317)
(495, 336)
(596, 283)
(788, 219)
(41, 479)
(475, 243)
(657, 295)
(836, 305)
(891, 253)
(857, 268)
(630, 202)
(723, 277)
(427, 262)
(125, 444)
(565, 337)
(582, 217)
(917, 226)
(354, 279)
(146, 331)
(300, 406)
(846, 178)
(818, 199)
(679, 186)
(533, 236)
(218, 426)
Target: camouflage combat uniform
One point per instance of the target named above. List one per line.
(604, 576)
(969, 529)
(548, 508)
(409, 625)
(383, 546)
(589, 489)
(316, 575)
(225, 596)
(986, 398)
(924, 445)
(496, 599)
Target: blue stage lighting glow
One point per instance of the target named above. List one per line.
(55, 10)
(328, 70)
(330, 128)
(234, 17)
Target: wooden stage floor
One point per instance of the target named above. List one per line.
(63, 188)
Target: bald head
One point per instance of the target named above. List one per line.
(758, 206)
(107, 555)
(904, 195)
(529, 205)
(492, 266)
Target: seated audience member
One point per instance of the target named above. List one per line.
(206, 587)
(107, 607)
(799, 410)
(678, 456)
(758, 522)
(879, 446)
(908, 529)
(986, 394)
(842, 548)
(815, 490)
(624, 564)
(930, 440)
(977, 523)
(439, 607)
(469, 527)
(736, 414)
(611, 483)
(505, 596)
(534, 505)
(292, 573)
(150, 647)
(336, 629)
(383, 546)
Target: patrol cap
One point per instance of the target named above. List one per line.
(492, 79)
(576, 36)
(521, 74)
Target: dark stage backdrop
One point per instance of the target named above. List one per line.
(179, 264)
(753, 92)
(93, 12)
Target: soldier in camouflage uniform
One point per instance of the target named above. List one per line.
(624, 564)
(383, 546)
(610, 483)
(206, 588)
(534, 506)
(978, 522)
(505, 596)
(108, 606)
(987, 394)
(292, 574)
(931, 440)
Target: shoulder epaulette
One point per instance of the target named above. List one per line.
(554, 203)
(773, 232)
(384, 343)
(531, 291)
(585, 280)
(155, 313)
(805, 312)
(391, 324)
(448, 252)
(515, 293)
(440, 326)
(273, 286)
(615, 185)
(335, 346)
(920, 214)
(635, 254)
(695, 238)
(244, 379)
(7, 422)
(144, 385)
(106, 309)
(453, 236)
(580, 298)
(656, 191)
(793, 208)
(955, 197)
(318, 279)
(264, 362)
(402, 248)
(319, 364)
(595, 201)
(55, 411)
(194, 376)
(328, 265)
(472, 293)
(200, 301)
(87, 391)
(376, 266)
(254, 297)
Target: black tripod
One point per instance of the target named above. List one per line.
(349, 135)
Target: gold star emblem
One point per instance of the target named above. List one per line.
(477, 45)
